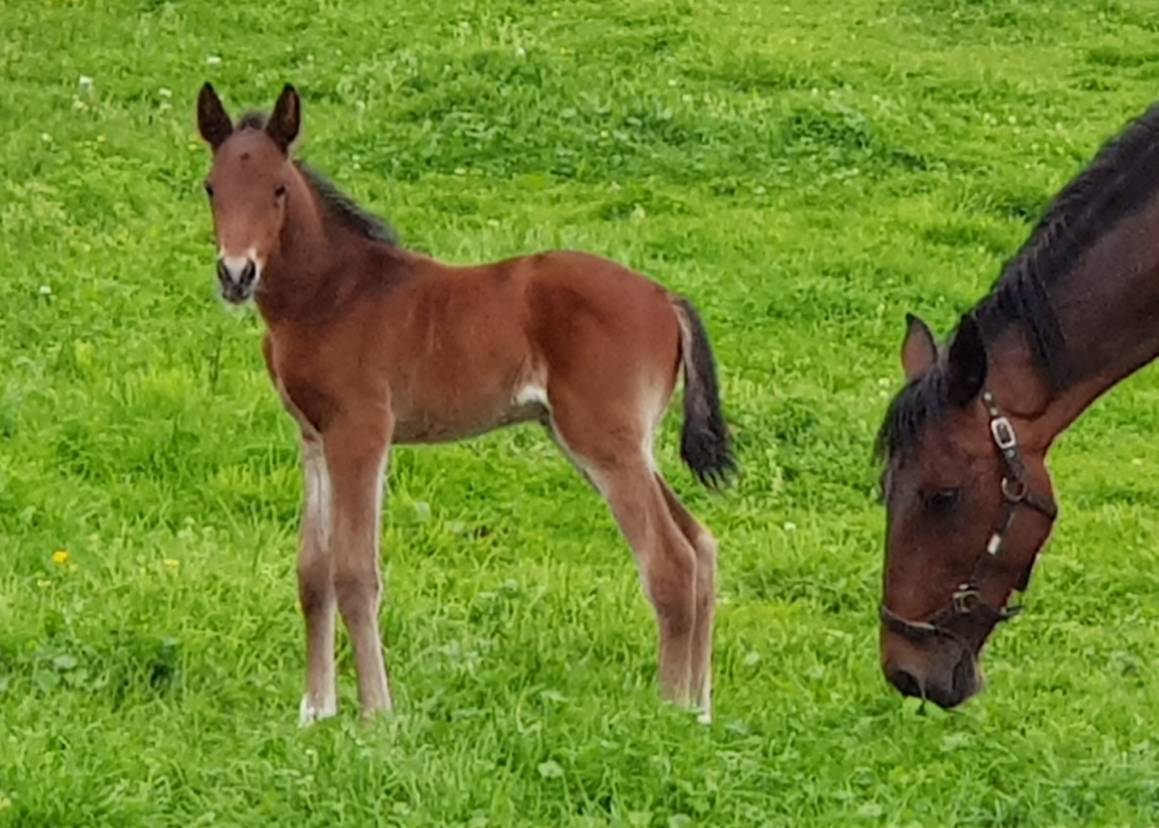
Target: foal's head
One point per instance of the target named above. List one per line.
(969, 506)
(247, 186)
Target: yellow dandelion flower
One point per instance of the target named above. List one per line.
(60, 557)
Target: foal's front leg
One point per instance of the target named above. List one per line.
(356, 456)
(316, 585)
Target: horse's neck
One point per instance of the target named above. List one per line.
(309, 276)
(1108, 312)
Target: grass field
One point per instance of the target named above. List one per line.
(806, 171)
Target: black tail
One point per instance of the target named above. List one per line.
(704, 443)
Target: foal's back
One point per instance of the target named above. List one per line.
(457, 351)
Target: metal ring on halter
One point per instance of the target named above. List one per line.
(1014, 489)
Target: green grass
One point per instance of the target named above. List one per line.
(806, 171)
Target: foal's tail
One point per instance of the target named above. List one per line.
(704, 443)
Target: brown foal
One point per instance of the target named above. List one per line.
(371, 345)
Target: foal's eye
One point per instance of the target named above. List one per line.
(941, 501)
(280, 191)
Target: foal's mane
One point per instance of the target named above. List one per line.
(345, 210)
(338, 205)
(1122, 179)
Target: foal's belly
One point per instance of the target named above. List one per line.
(435, 423)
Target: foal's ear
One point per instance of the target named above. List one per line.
(919, 351)
(966, 362)
(284, 124)
(212, 121)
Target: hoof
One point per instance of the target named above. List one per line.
(310, 712)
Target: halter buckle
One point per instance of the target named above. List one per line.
(965, 599)
(1003, 433)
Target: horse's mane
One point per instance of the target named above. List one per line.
(346, 210)
(1121, 179)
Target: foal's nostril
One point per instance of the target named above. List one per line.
(905, 682)
(236, 273)
(247, 275)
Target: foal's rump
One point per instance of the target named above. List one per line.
(611, 343)
(603, 332)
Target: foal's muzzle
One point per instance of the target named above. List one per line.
(237, 278)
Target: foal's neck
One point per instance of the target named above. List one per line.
(1108, 313)
(322, 262)
(295, 269)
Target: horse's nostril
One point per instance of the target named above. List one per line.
(222, 272)
(247, 275)
(905, 682)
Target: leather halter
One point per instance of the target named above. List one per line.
(966, 600)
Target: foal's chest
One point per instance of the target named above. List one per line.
(309, 407)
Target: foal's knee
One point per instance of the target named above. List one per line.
(315, 591)
(357, 592)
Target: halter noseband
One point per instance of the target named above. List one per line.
(1016, 492)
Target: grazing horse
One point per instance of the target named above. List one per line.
(969, 499)
(370, 345)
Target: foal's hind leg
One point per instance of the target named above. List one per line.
(705, 546)
(616, 462)
(316, 585)
(356, 458)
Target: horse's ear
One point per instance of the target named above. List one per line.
(284, 124)
(919, 351)
(966, 362)
(212, 121)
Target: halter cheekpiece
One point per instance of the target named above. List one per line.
(966, 599)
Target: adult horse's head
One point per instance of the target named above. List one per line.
(969, 506)
(247, 186)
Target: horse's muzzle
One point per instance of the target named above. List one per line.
(938, 677)
(237, 278)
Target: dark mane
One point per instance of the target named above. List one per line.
(346, 210)
(341, 207)
(1122, 178)
(920, 402)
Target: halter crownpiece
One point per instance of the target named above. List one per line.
(966, 599)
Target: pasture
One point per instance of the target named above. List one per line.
(805, 172)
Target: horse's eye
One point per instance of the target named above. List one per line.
(941, 501)
(280, 191)
(208, 189)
